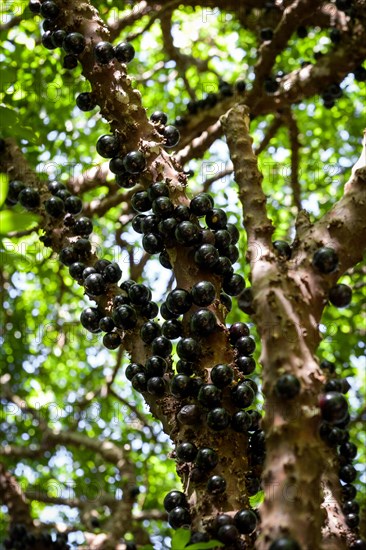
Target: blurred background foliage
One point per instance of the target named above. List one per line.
(48, 360)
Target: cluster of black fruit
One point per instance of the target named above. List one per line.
(335, 418)
(73, 43)
(21, 539)
(326, 261)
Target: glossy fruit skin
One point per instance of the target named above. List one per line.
(216, 219)
(58, 37)
(68, 256)
(206, 459)
(29, 198)
(241, 422)
(203, 293)
(285, 543)
(49, 9)
(155, 366)
(179, 301)
(206, 256)
(139, 382)
(189, 349)
(172, 329)
(352, 520)
(89, 319)
(85, 101)
(173, 499)
(209, 396)
(139, 294)
(70, 62)
(106, 324)
(283, 249)
(351, 507)
(104, 52)
(74, 43)
(243, 395)
(161, 346)
(156, 386)
(246, 365)
(245, 521)
(76, 270)
(159, 117)
(134, 162)
(54, 207)
(73, 205)
(186, 451)
(34, 6)
(287, 386)
(348, 473)
(163, 207)
(218, 419)
(203, 322)
(340, 295)
(201, 204)
(178, 517)
(189, 415)
(222, 375)
(333, 406)
(348, 450)
(124, 52)
(149, 331)
(325, 260)
(94, 284)
(112, 340)
(181, 386)
(108, 146)
(188, 233)
(171, 135)
(216, 485)
(234, 284)
(15, 187)
(228, 534)
(83, 226)
(125, 317)
(152, 243)
(245, 345)
(237, 330)
(132, 369)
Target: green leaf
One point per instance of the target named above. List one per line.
(257, 499)
(180, 539)
(16, 221)
(15, 126)
(205, 545)
(4, 184)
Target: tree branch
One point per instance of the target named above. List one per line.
(12, 496)
(295, 146)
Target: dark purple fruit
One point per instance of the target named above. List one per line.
(348, 473)
(112, 340)
(333, 406)
(186, 451)
(210, 396)
(125, 317)
(152, 243)
(189, 415)
(139, 294)
(245, 521)
(285, 543)
(188, 233)
(76, 270)
(189, 349)
(359, 544)
(218, 419)
(156, 386)
(243, 395)
(90, 318)
(50, 10)
(54, 207)
(216, 485)
(178, 517)
(34, 6)
(179, 301)
(70, 62)
(85, 101)
(94, 284)
(245, 345)
(233, 284)
(159, 117)
(149, 331)
(83, 226)
(155, 366)
(139, 382)
(104, 52)
(287, 386)
(201, 204)
(241, 422)
(73, 205)
(106, 324)
(74, 43)
(203, 293)
(163, 207)
(283, 249)
(237, 330)
(352, 520)
(325, 260)
(172, 329)
(58, 37)
(228, 534)
(108, 146)
(68, 256)
(206, 459)
(112, 273)
(124, 52)
(246, 365)
(203, 322)
(29, 198)
(206, 256)
(340, 295)
(171, 135)
(161, 346)
(134, 162)
(181, 386)
(216, 219)
(222, 375)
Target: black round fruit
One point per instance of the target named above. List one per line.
(161, 346)
(349, 491)
(218, 419)
(68, 256)
(245, 345)
(29, 198)
(124, 52)
(348, 473)
(50, 10)
(139, 382)
(174, 499)
(76, 270)
(112, 273)
(222, 375)
(132, 369)
(155, 366)
(325, 260)
(156, 386)
(149, 331)
(181, 386)
(201, 204)
(245, 521)
(106, 324)
(74, 43)
(141, 203)
(159, 117)
(171, 135)
(216, 219)
(90, 318)
(202, 322)
(340, 295)
(243, 395)
(73, 205)
(203, 293)
(241, 422)
(104, 52)
(189, 415)
(163, 207)
(94, 284)
(350, 507)
(186, 451)
(348, 450)
(285, 543)
(172, 329)
(206, 459)
(152, 243)
(83, 226)
(108, 146)
(139, 294)
(189, 349)
(238, 330)
(54, 207)
(112, 340)
(359, 544)
(34, 6)
(85, 101)
(206, 256)
(188, 233)
(101, 265)
(233, 284)
(125, 317)
(352, 520)
(70, 62)
(287, 386)
(216, 485)
(134, 162)
(209, 396)
(333, 406)
(228, 534)
(178, 517)
(283, 249)
(179, 301)
(245, 364)
(58, 37)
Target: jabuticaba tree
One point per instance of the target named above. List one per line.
(266, 450)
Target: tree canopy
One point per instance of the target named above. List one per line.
(119, 121)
